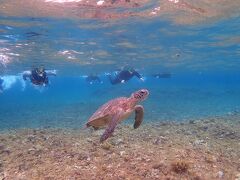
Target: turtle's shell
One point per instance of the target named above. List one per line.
(105, 113)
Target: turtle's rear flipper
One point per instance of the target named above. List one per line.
(138, 116)
(111, 126)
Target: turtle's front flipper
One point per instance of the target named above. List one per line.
(138, 116)
(111, 126)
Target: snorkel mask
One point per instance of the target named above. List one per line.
(40, 71)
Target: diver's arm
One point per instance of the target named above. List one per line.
(138, 75)
(113, 80)
(1, 87)
(26, 74)
(51, 72)
(46, 82)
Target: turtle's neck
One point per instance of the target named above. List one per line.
(133, 101)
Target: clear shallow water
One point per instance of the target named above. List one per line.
(70, 101)
(203, 58)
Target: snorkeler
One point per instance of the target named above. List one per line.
(124, 75)
(93, 78)
(162, 75)
(39, 76)
(1, 85)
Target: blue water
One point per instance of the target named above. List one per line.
(203, 59)
(70, 101)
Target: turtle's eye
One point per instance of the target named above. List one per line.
(142, 92)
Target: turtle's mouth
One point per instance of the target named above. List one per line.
(141, 95)
(137, 96)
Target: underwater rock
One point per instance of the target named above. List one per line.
(203, 128)
(106, 146)
(22, 167)
(57, 143)
(232, 135)
(122, 153)
(188, 133)
(5, 152)
(220, 174)
(180, 167)
(166, 123)
(2, 139)
(70, 155)
(2, 147)
(1, 167)
(161, 166)
(89, 140)
(83, 156)
(98, 132)
(159, 140)
(225, 133)
(117, 142)
(35, 151)
(191, 122)
(237, 177)
(31, 138)
(199, 142)
(127, 159)
(210, 159)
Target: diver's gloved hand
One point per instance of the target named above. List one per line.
(51, 72)
(54, 72)
(107, 74)
(142, 79)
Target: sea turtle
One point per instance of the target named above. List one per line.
(116, 110)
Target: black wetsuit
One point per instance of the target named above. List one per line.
(1, 84)
(124, 75)
(37, 79)
(93, 78)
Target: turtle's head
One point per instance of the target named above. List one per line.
(140, 95)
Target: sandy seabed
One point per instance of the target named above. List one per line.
(197, 149)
